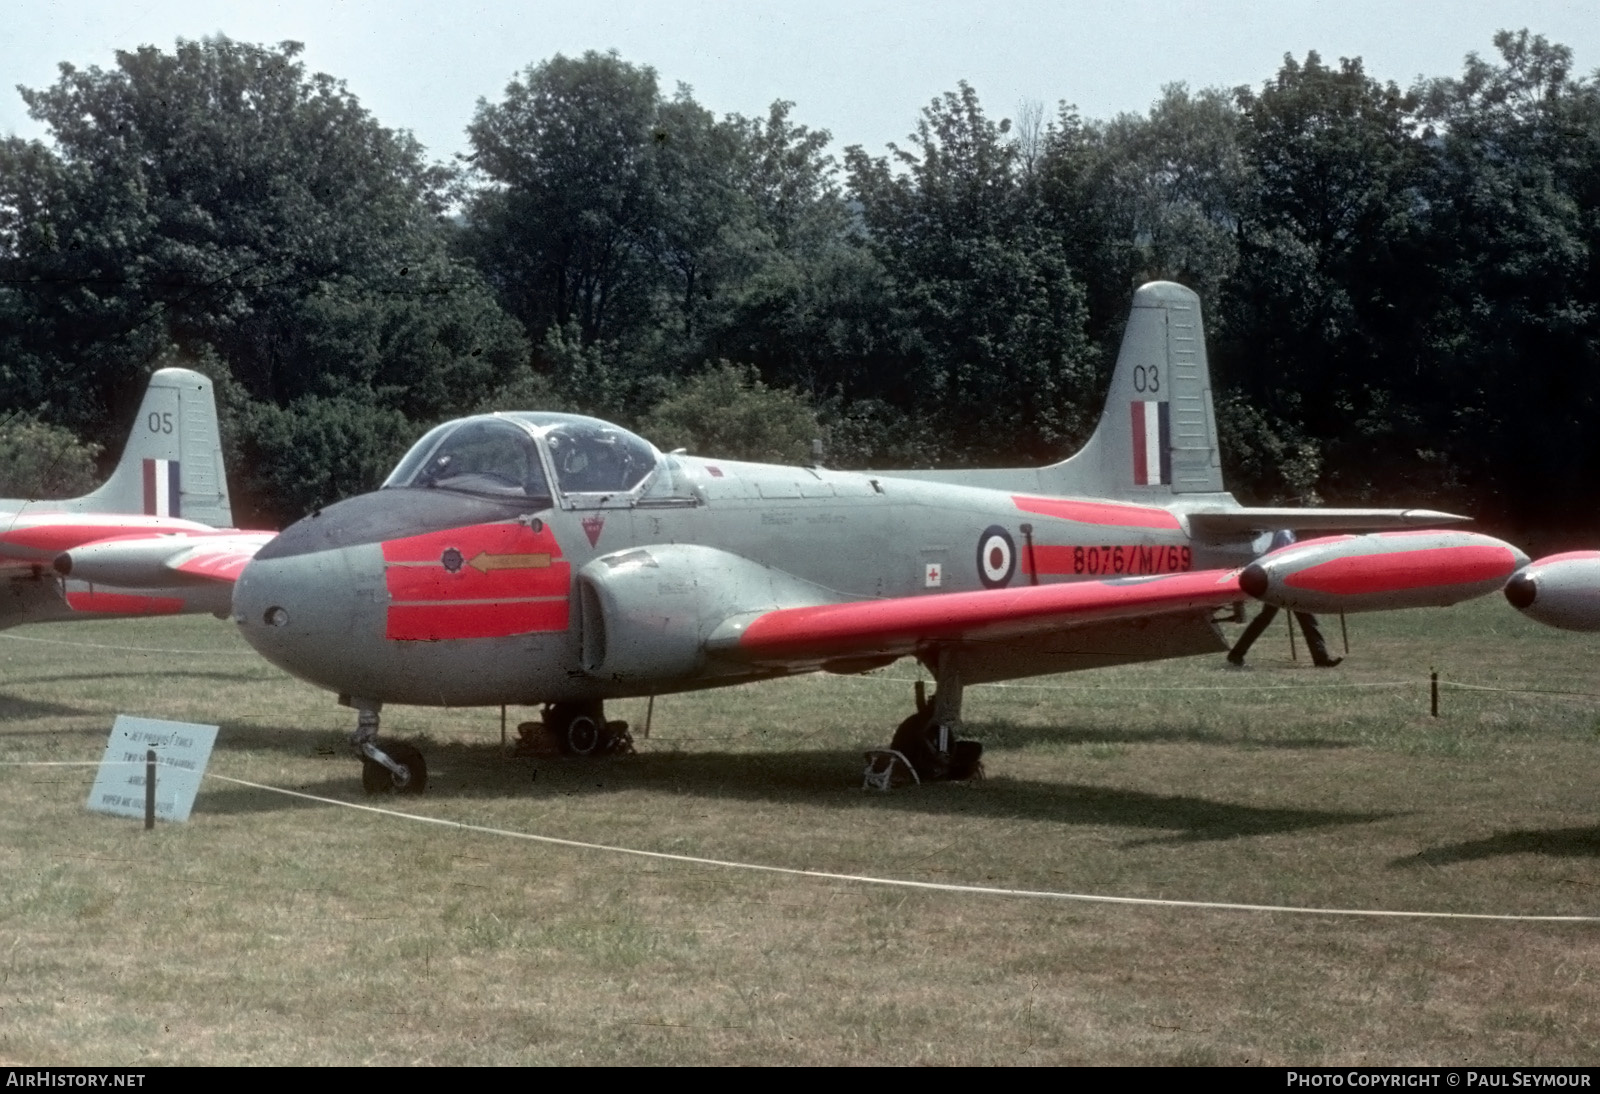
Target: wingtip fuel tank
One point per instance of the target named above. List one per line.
(1560, 591)
(1382, 571)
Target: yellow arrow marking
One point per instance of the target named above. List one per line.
(483, 562)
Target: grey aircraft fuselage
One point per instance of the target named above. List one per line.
(821, 536)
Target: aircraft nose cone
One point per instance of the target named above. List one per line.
(303, 613)
(1522, 590)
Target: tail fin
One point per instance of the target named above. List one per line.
(1157, 436)
(172, 465)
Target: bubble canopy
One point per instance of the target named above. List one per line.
(518, 455)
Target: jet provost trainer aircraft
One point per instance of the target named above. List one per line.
(153, 540)
(536, 558)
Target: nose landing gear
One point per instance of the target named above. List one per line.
(397, 768)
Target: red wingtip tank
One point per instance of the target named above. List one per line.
(1382, 571)
(1560, 591)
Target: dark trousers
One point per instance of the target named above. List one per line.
(1308, 626)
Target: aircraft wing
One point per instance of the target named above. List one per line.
(872, 628)
(163, 560)
(1378, 572)
(1236, 521)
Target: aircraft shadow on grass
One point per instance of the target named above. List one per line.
(15, 708)
(998, 736)
(827, 777)
(250, 675)
(1554, 842)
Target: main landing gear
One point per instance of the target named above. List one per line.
(925, 747)
(574, 729)
(396, 768)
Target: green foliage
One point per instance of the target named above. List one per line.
(561, 224)
(1399, 285)
(870, 433)
(728, 411)
(220, 203)
(1278, 464)
(317, 451)
(992, 343)
(38, 460)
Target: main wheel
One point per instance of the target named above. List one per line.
(579, 727)
(377, 779)
(583, 735)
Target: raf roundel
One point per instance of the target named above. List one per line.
(997, 557)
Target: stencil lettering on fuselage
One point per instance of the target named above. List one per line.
(481, 581)
(1110, 560)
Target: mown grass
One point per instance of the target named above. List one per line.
(277, 930)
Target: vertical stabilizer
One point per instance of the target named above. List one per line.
(172, 465)
(1157, 435)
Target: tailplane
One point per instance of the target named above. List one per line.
(172, 464)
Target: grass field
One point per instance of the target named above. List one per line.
(271, 929)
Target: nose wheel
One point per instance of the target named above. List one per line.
(395, 768)
(377, 778)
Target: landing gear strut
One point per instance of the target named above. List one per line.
(397, 768)
(925, 747)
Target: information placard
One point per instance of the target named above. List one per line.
(182, 751)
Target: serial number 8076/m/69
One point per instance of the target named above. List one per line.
(1129, 559)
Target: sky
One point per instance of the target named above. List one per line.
(862, 70)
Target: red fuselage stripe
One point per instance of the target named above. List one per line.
(491, 619)
(1097, 512)
(1109, 560)
(434, 582)
(1385, 573)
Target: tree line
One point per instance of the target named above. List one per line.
(1400, 284)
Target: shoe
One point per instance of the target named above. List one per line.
(1330, 662)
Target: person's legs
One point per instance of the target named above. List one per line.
(1315, 642)
(1251, 633)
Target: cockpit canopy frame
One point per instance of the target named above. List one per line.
(591, 463)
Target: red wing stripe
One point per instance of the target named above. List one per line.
(71, 531)
(123, 603)
(1567, 556)
(901, 624)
